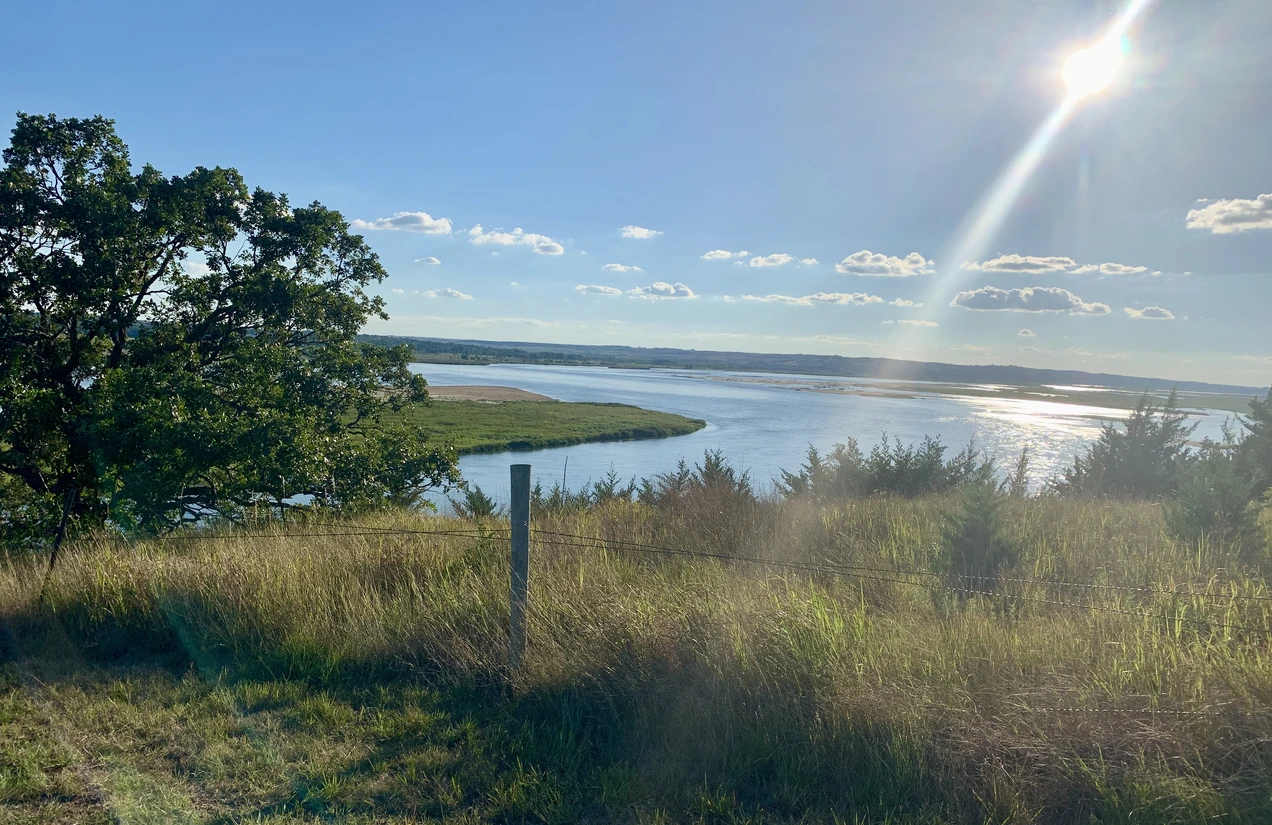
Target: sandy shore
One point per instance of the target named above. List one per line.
(481, 393)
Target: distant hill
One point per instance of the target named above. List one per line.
(477, 351)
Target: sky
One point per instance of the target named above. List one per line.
(770, 177)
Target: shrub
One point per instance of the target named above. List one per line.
(974, 550)
(1146, 459)
(475, 503)
(891, 467)
(1214, 500)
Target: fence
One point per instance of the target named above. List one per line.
(521, 532)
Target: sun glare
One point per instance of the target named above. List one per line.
(1092, 69)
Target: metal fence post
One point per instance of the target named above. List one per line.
(519, 584)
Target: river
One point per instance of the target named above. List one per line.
(766, 427)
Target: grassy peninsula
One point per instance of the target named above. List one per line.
(360, 678)
(491, 427)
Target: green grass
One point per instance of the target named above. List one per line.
(482, 427)
(301, 678)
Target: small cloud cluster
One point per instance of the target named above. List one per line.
(1018, 264)
(1026, 333)
(1151, 313)
(808, 262)
(971, 348)
(1223, 217)
(1028, 299)
(621, 268)
(776, 259)
(429, 261)
(659, 290)
(914, 322)
(445, 292)
(1111, 269)
(1036, 265)
(639, 233)
(420, 222)
(904, 302)
(723, 255)
(851, 298)
(597, 289)
(876, 264)
(541, 244)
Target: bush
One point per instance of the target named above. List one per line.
(1146, 459)
(905, 470)
(1214, 501)
(974, 550)
(475, 503)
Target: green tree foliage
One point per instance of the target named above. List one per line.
(174, 347)
(974, 549)
(1214, 500)
(891, 467)
(1254, 455)
(1146, 458)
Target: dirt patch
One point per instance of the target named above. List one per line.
(478, 393)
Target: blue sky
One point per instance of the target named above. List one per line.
(845, 145)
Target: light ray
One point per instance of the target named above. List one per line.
(982, 224)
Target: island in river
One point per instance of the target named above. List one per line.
(478, 419)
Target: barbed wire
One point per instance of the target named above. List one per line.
(570, 540)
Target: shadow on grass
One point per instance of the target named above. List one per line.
(642, 732)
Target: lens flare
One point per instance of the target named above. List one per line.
(1092, 69)
(1086, 73)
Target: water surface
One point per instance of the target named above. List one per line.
(767, 427)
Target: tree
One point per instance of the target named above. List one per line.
(1146, 459)
(1254, 453)
(178, 347)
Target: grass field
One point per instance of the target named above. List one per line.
(481, 427)
(361, 678)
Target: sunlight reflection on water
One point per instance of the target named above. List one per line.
(766, 422)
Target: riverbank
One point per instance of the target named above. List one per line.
(479, 420)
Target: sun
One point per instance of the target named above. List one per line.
(1092, 69)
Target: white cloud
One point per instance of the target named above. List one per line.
(661, 289)
(914, 323)
(621, 268)
(639, 233)
(1111, 269)
(903, 302)
(1260, 359)
(1028, 299)
(397, 291)
(876, 264)
(541, 244)
(433, 320)
(1027, 349)
(1151, 313)
(808, 261)
(1026, 333)
(723, 255)
(195, 269)
(597, 289)
(445, 292)
(421, 222)
(1223, 217)
(1088, 354)
(841, 340)
(854, 298)
(430, 261)
(1022, 264)
(971, 348)
(776, 259)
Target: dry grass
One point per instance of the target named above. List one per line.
(291, 677)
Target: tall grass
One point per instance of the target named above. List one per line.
(722, 690)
